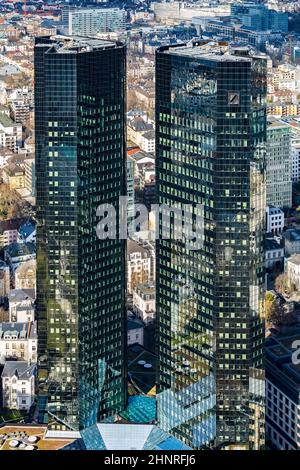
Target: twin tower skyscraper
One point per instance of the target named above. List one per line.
(210, 153)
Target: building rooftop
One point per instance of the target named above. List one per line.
(140, 409)
(141, 155)
(134, 324)
(21, 369)
(5, 120)
(279, 350)
(139, 124)
(211, 50)
(274, 124)
(18, 331)
(120, 436)
(26, 229)
(76, 44)
(44, 442)
(10, 224)
(135, 247)
(15, 250)
(292, 235)
(294, 259)
(18, 295)
(150, 135)
(13, 170)
(142, 378)
(147, 288)
(272, 244)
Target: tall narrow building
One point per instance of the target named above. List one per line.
(80, 164)
(211, 146)
(278, 164)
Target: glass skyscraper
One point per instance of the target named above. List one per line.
(210, 157)
(80, 164)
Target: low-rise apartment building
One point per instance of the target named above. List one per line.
(18, 341)
(18, 385)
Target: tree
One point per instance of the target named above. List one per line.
(282, 285)
(270, 305)
(281, 316)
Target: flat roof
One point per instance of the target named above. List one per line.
(83, 42)
(43, 443)
(279, 349)
(212, 51)
(277, 123)
(77, 44)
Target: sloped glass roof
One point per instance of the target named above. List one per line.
(119, 436)
(140, 409)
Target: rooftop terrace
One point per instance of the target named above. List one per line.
(76, 44)
(217, 51)
(22, 433)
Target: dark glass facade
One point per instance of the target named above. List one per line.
(80, 164)
(210, 144)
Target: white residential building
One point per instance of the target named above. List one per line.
(8, 141)
(146, 141)
(9, 231)
(27, 232)
(21, 305)
(141, 132)
(274, 252)
(25, 275)
(140, 264)
(275, 220)
(11, 129)
(18, 341)
(5, 155)
(17, 253)
(292, 270)
(144, 302)
(18, 385)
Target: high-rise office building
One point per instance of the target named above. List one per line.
(257, 16)
(210, 151)
(80, 164)
(278, 167)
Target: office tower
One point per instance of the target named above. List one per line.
(210, 144)
(90, 21)
(65, 13)
(258, 17)
(130, 188)
(278, 164)
(278, 21)
(80, 164)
